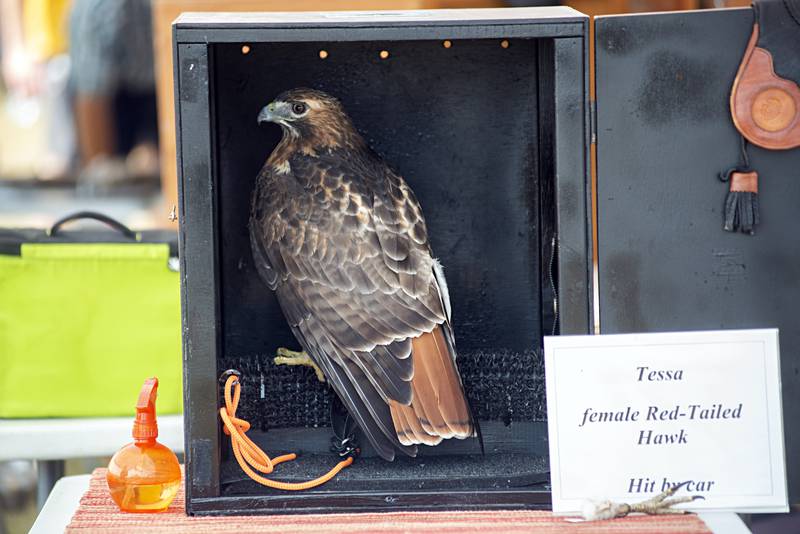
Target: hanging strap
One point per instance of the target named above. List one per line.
(250, 457)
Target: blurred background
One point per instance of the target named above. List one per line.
(86, 123)
(86, 97)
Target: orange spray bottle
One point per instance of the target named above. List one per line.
(144, 476)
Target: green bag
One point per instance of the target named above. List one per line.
(85, 318)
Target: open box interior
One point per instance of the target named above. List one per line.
(468, 127)
(491, 133)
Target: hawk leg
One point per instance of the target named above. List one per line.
(285, 356)
(661, 504)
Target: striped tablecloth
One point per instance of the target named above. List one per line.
(97, 513)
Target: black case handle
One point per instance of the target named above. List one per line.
(113, 223)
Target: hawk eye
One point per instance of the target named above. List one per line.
(299, 108)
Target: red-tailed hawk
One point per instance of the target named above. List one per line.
(342, 241)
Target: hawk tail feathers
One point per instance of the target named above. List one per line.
(439, 408)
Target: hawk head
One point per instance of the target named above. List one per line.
(309, 115)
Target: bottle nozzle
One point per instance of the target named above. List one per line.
(145, 426)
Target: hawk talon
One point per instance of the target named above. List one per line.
(661, 504)
(285, 356)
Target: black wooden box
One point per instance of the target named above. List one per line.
(492, 133)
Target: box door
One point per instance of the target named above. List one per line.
(664, 133)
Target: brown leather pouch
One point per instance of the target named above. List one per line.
(765, 107)
(765, 102)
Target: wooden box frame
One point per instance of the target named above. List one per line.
(567, 33)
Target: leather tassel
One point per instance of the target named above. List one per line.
(741, 203)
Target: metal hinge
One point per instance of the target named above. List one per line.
(554, 249)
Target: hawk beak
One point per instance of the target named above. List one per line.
(267, 114)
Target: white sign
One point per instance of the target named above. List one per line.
(630, 415)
